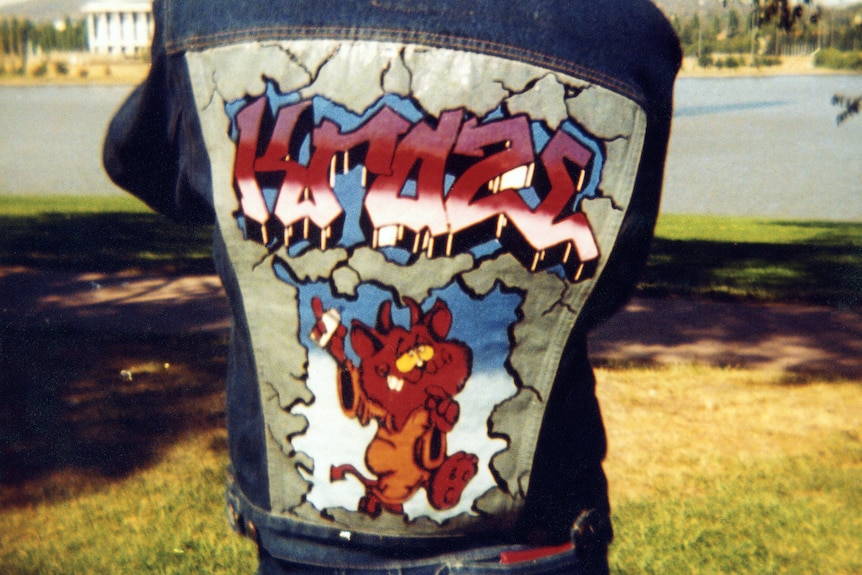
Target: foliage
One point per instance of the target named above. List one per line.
(17, 35)
(775, 23)
(768, 27)
(41, 70)
(729, 62)
(849, 103)
(784, 13)
(705, 61)
(766, 61)
(734, 24)
(838, 60)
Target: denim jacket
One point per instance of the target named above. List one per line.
(421, 210)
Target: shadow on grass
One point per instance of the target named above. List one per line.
(825, 273)
(105, 242)
(801, 341)
(100, 405)
(825, 269)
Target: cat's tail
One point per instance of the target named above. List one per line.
(339, 472)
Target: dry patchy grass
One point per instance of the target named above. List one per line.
(711, 470)
(668, 424)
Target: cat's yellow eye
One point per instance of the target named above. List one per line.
(406, 362)
(425, 352)
(414, 358)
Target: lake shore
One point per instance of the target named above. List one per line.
(132, 73)
(787, 66)
(109, 73)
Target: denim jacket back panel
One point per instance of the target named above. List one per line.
(341, 236)
(626, 46)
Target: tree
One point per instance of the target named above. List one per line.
(783, 13)
(733, 23)
(786, 16)
(850, 104)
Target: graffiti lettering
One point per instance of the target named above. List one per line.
(435, 186)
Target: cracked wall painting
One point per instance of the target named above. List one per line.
(412, 255)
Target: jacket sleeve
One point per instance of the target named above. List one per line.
(154, 147)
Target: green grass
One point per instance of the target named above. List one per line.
(838, 60)
(167, 519)
(113, 455)
(98, 233)
(756, 259)
(770, 513)
(36, 205)
(796, 515)
(702, 256)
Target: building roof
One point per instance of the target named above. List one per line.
(117, 6)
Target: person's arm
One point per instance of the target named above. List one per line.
(154, 148)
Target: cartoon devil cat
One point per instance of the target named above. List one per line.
(406, 380)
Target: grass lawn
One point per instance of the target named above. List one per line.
(711, 470)
(718, 471)
(703, 256)
(98, 233)
(756, 259)
(114, 451)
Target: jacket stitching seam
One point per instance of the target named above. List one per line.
(194, 43)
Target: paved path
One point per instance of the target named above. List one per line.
(773, 336)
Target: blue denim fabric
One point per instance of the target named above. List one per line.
(482, 561)
(314, 556)
(154, 148)
(626, 46)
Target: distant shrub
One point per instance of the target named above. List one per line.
(766, 61)
(40, 70)
(705, 61)
(838, 60)
(61, 68)
(732, 62)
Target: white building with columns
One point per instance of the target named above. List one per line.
(119, 28)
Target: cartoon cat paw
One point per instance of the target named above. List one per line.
(450, 479)
(443, 410)
(372, 506)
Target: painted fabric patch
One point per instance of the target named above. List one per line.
(393, 177)
(411, 251)
(312, 177)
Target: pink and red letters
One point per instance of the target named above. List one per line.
(436, 186)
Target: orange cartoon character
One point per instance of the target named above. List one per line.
(406, 381)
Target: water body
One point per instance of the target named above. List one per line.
(52, 138)
(765, 147)
(740, 146)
